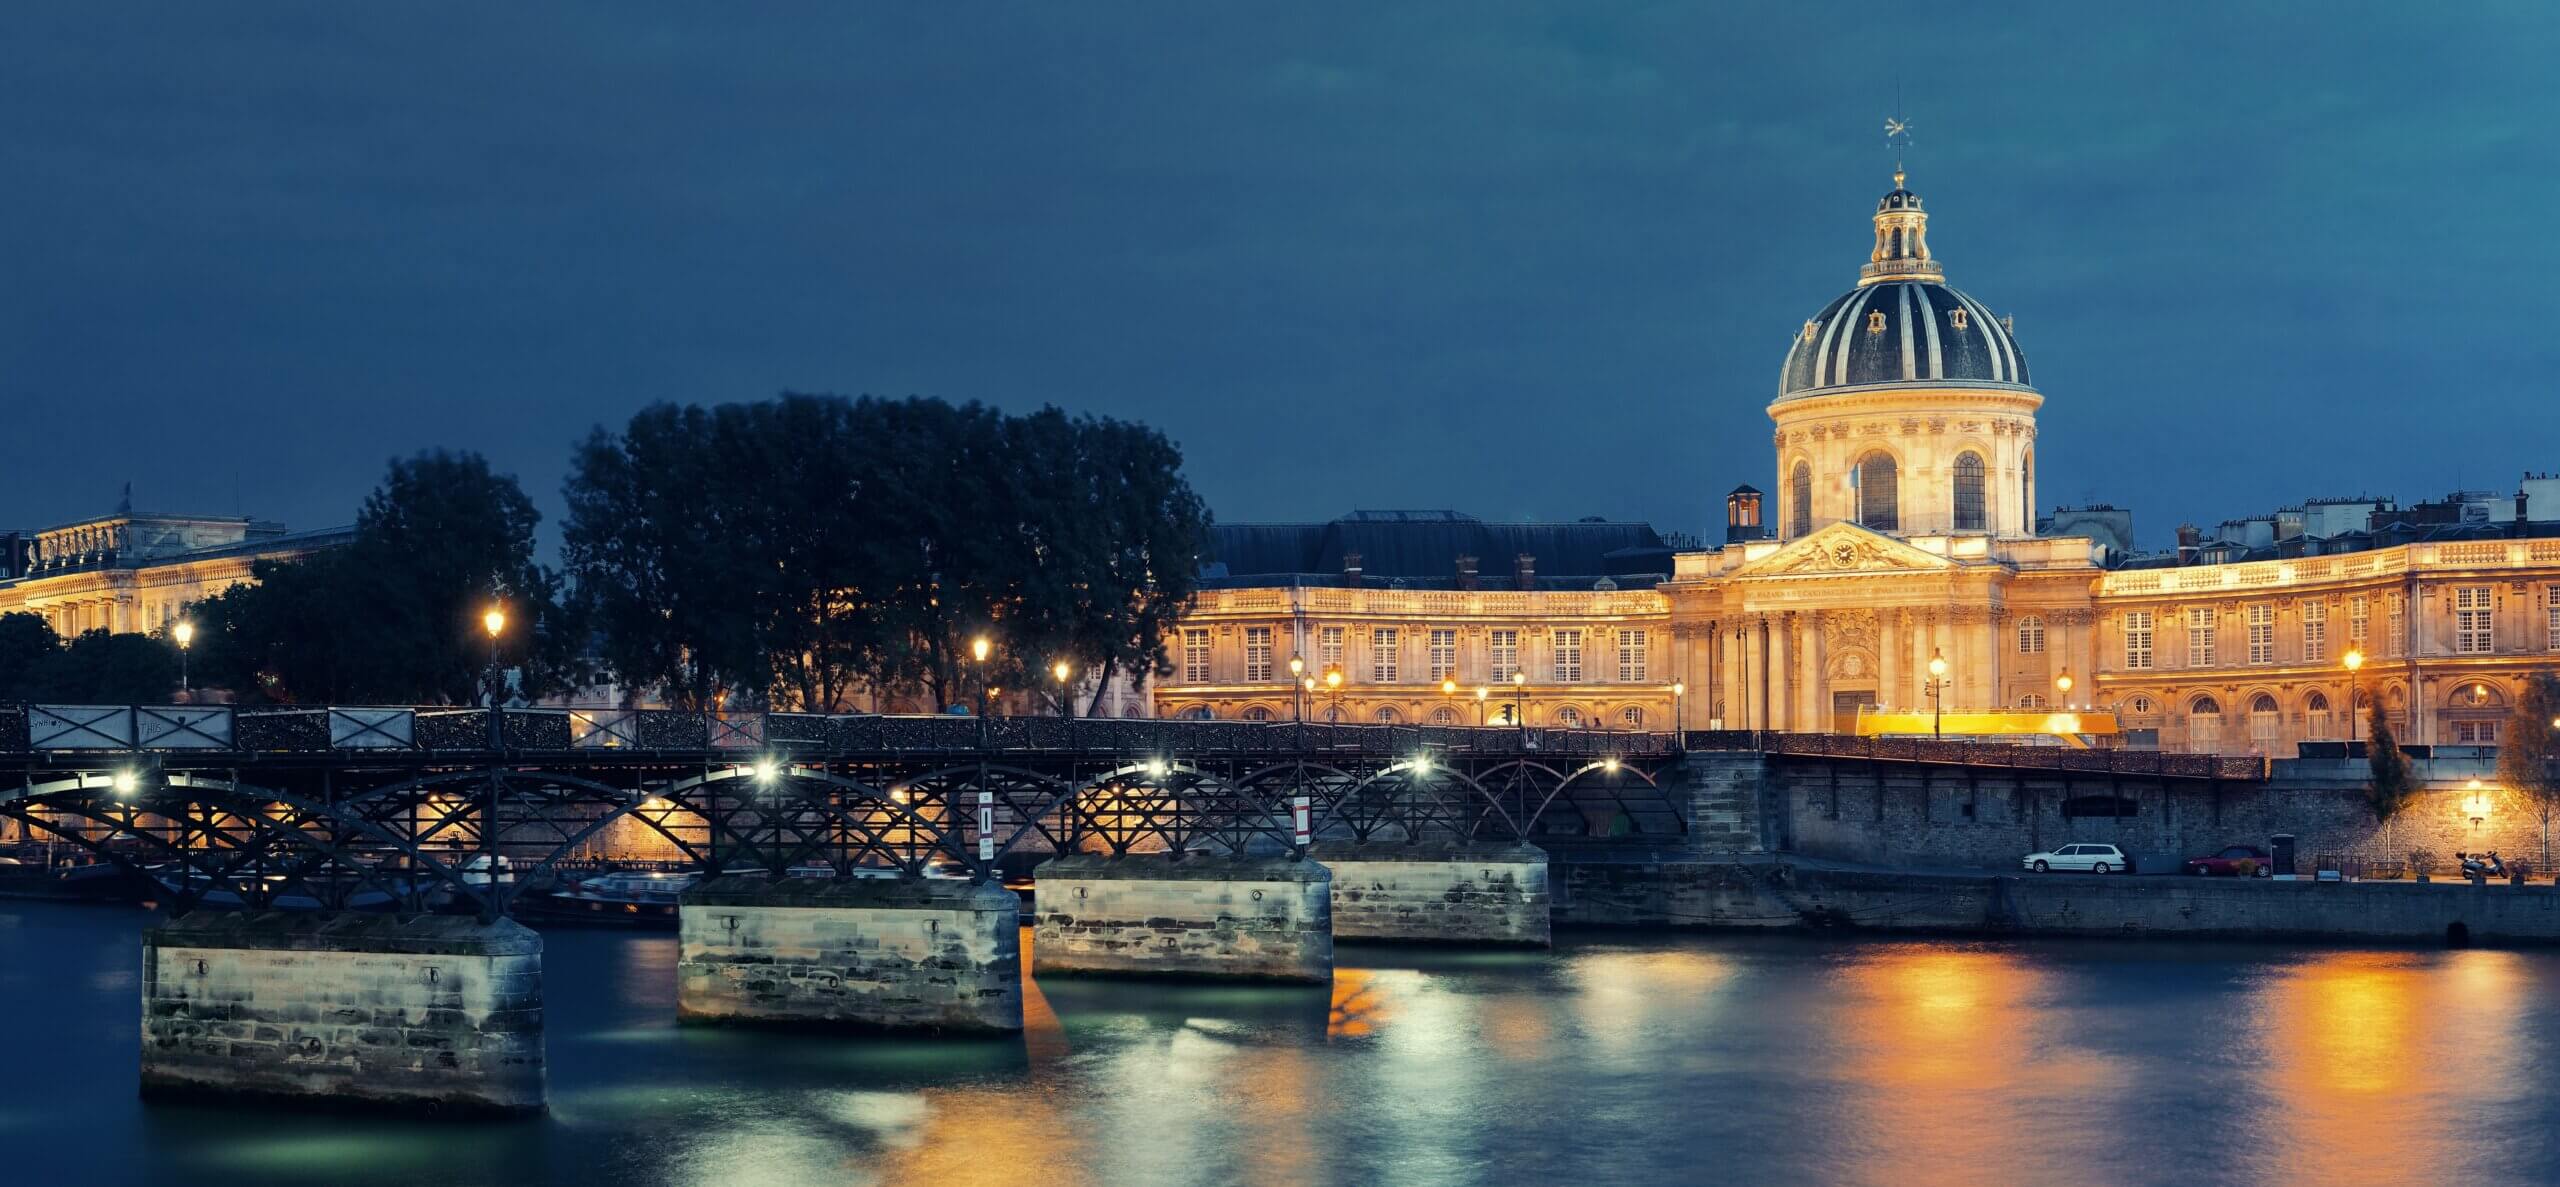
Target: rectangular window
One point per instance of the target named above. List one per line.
(1382, 655)
(1568, 657)
(2474, 622)
(1195, 655)
(2479, 733)
(1631, 656)
(2395, 626)
(1504, 647)
(2551, 618)
(1444, 653)
(2200, 636)
(2262, 634)
(2031, 635)
(2315, 631)
(1257, 653)
(2137, 640)
(2359, 617)
(1328, 650)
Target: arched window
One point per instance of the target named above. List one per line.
(1444, 715)
(2141, 706)
(1195, 713)
(2027, 494)
(2031, 701)
(1569, 717)
(1800, 499)
(1878, 491)
(2204, 724)
(1257, 713)
(2316, 721)
(1386, 716)
(1969, 517)
(2031, 635)
(1631, 717)
(2266, 722)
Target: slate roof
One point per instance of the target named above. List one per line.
(1420, 549)
(1917, 342)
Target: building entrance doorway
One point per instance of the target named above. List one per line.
(1845, 706)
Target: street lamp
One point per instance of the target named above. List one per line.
(1680, 706)
(1333, 692)
(1059, 671)
(2062, 684)
(2476, 803)
(494, 621)
(2354, 659)
(1520, 700)
(1481, 693)
(1937, 693)
(1299, 685)
(184, 634)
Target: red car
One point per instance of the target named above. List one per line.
(2228, 862)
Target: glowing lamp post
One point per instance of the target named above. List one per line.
(1937, 694)
(494, 621)
(1059, 672)
(1299, 685)
(184, 635)
(1680, 706)
(1481, 693)
(2475, 802)
(2062, 684)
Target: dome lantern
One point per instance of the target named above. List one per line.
(1902, 324)
(1902, 240)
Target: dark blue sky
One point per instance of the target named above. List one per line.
(1527, 260)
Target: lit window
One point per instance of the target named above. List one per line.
(2551, 618)
(2141, 706)
(1878, 492)
(1328, 648)
(1257, 713)
(2474, 632)
(2266, 722)
(1444, 715)
(1195, 655)
(1382, 655)
(1568, 656)
(1444, 653)
(1195, 713)
(1631, 656)
(2262, 633)
(2359, 617)
(2031, 635)
(1504, 646)
(2204, 724)
(2200, 637)
(1386, 716)
(2395, 625)
(2030, 701)
(2480, 733)
(1969, 492)
(1569, 717)
(1631, 717)
(2137, 640)
(1800, 500)
(1257, 653)
(2315, 631)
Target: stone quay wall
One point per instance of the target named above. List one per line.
(344, 1009)
(1257, 918)
(907, 954)
(1777, 894)
(1441, 893)
(1888, 813)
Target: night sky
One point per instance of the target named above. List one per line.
(1524, 260)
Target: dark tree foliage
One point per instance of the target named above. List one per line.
(799, 550)
(395, 616)
(95, 668)
(2526, 750)
(2391, 783)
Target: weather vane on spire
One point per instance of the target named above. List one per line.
(1897, 133)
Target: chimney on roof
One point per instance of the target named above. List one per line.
(1466, 571)
(1351, 569)
(2190, 537)
(2521, 529)
(1742, 516)
(1524, 571)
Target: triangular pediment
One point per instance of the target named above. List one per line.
(1844, 548)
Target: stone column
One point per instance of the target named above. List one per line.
(1815, 710)
(1889, 659)
(1780, 685)
(925, 954)
(1461, 893)
(1260, 918)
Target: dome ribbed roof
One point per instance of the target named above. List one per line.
(1902, 324)
(1916, 332)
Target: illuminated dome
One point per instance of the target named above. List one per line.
(1902, 326)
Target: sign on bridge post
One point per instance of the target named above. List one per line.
(1302, 814)
(987, 831)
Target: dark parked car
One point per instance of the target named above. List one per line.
(2229, 862)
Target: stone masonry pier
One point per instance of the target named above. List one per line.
(434, 1012)
(905, 954)
(1469, 893)
(1255, 918)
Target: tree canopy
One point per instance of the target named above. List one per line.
(798, 550)
(95, 668)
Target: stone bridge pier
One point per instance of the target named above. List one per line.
(1185, 915)
(433, 1012)
(1438, 892)
(864, 954)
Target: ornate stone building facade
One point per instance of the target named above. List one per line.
(1905, 532)
(137, 572)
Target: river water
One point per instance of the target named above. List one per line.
(1617, 1058)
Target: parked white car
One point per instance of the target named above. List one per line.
(2096, 859)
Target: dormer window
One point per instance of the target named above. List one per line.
(1956, 318)
(1875, 322)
